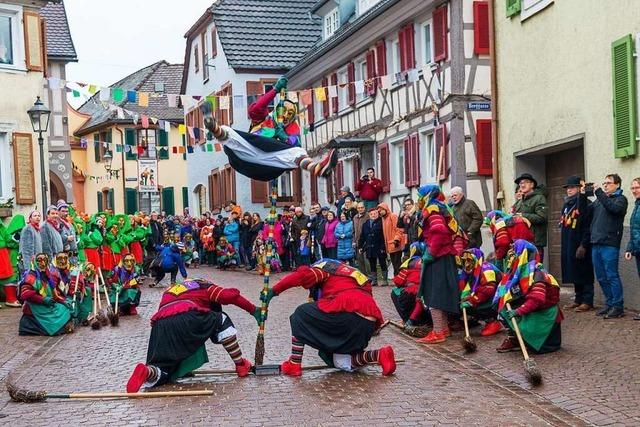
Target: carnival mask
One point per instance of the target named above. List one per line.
(468, 262)
(121, 221)
(79, 228)
(89, 271)
(62, 260)
(129, 262)
(114, 229)
(42, 261)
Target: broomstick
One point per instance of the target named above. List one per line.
(111, 315)
(93, 319)
(259, 352)
(530, 367)
(104, 320)
(75, 290)
(29, 396)
(417, 331)
(208, 372)
(468, 343)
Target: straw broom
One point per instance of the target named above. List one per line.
(102, 317)
(534, 376)
(468, 343)
(111, 315)
(93, 319)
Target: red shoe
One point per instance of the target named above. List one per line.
(433, 338)
(138, 377)
(447, 332)
(133, 311)
(491, 328)
(509, 344)
(244, 369)
(387, 360)
(291, 369)
(328, 163)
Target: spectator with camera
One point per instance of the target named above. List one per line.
(369, 189)
(609, 210)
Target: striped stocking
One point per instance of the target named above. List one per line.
(364, 358)
(439, 320)
(233, 348)
(297, 348)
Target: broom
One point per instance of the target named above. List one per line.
(111, 315)
(75, 290)
(208, 372)
(102, 318)
(534, 376)
(29, 396)
(468, 343)
(93, 319)
(415, 331)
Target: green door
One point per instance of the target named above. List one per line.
(168, 201)
(131, 201)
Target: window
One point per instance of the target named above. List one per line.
(147, 140)
(361, 74)
(364, 5)
(319, 106)
(225, 116)
(531, 7)
(343, 89)
(431, 159)
(6, 40)
(427, 43)
(6, 181)
(331, 23)
(11, 37)
(397, 180)
(214, 43)
(148, 202)
(266, 87)
(205, 57)
(395, 57)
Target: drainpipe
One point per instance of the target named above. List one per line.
(124, 179)
(495, 152)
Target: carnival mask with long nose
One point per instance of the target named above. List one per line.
(129, 262)
(42, 262)
(62, 260)
(89, 271)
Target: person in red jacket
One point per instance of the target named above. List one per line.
(273, 145)
(369, 189)
(190, 313)
(339, 323)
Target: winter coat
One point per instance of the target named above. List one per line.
(350, 213)
(245, 240)
(371, 240)
(232, 232)
(345, 244)
(470, 218)
(30, 244)
(329, 239)
(608, 217)
(392, 233)
(340, 202)
(253, 233)
(67, 229)
(297, 225)
(277, 235)
(410, 225)
(634, 227)
(534, 208)
(575, 230)
(358, 222)
(316, 228)
(369, 190)
(171, 259)
(51, 240)
(155, 237)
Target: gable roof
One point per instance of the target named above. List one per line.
(58, 36)
(143, 80)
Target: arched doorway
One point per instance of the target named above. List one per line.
(201, 197)
(57, 189)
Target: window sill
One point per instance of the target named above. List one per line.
(402, 191)
(366, 101)
(13, 70)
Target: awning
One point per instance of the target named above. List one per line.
(350, 142)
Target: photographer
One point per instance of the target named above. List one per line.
(369, 189)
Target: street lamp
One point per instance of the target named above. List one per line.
(39, 115)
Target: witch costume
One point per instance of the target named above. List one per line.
(404, 293)
(124, 283)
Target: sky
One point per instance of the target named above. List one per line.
(114, 38)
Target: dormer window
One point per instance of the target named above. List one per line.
(158, 87)
(364, 5)
(331, 23)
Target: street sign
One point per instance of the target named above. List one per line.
(131, 179)
(479, 106)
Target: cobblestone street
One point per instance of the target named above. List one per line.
(594, 379)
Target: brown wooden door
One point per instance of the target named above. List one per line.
(559, 166)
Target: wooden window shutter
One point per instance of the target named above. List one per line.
(185, 197)
(440, 31)
(412, 160)
(483, 147)
(329, 184)
(406, 147)
(131, 201)
(313, 178)
(442, 152)
(43, 34)
(371, 81)
(130, 143)
(99, 199)
(96, 147)
(325, 103)
(254, 89)
(229, 92)
(624, 98)
(384, 167)
(296, 185)
(356, 171)
(210, 181)
(258, 191)
(381, 58)
(481, 28)
(311, 112)
(168, 204)
(402, 42)
(163, 144)
(513, 7)
(196, 58)
(33, 41)
(214, 43)
(334, 100)
(409, 46)
(111, 201)
(339, 174)
(351, 75)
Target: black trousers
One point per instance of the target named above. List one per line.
(382, 260)
(160, 273)
(396, 261)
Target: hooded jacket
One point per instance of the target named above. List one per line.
(391, 231)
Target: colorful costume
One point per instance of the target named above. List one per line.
(339, 323)
(189, 315)
(45, 310)
(506, 229)
(84, 304)
(273, 145)
(139, 235)
(534, 295)
(226, 253)
(92, 239)
(124, 283)
(9, 269)
(478, 281)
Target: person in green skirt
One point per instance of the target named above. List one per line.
(533, 295)
(46, 310)
(124, 283)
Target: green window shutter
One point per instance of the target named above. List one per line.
(185, 197)
(131, 201)
(168, 204)
(163, 141)
(513, 7)
(130, 141)
(624, 98)
(100, 207)
(184, 144)
(96, 147)
(112, 202)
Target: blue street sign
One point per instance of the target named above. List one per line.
(479, 106)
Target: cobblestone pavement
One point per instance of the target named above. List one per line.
(594, 379)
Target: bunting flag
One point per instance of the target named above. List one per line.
(143, 99)
(321, 94)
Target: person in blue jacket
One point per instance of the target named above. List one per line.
(232, 231)
(171, 257)
(344, 234)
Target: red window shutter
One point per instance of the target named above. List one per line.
(311, 110)
(296, 184)
(384, 167)
(329, 184)
(402, 42)
(442, 150)
(258, 191)
(314, 187)
(325, 103)
(339, 175)
(381, 58)
(334, 100)
(409, 48)
(356, 171)
(351, 75)
(408, 178)
(480, 28)
(483, 147)
(440, 31)
(370, 83)
(412, 156)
